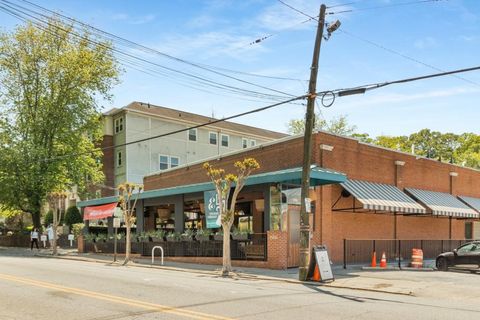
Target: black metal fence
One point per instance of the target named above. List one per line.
(253, 248)
(23, 240)
(357, 252)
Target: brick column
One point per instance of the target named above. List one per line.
(277, 249)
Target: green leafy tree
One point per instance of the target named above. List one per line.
(399, 143)
(50, 82)
(72, 216)
(338, 125)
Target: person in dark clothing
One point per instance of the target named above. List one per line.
(34, 238)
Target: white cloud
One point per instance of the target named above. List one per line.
(133, 19)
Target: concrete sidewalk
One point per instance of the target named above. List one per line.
(352, 278)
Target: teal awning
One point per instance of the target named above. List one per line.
(318, 177)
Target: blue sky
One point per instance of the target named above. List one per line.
(443, 34)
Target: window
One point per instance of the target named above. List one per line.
(244, 143)
(225, 139)
(253, 143)
(119, 158)
(119, 125)
(213, 137)
(192, 135)
(167, 162)
(163, 162)
(174, 161)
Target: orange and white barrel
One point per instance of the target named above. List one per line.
(417, 258)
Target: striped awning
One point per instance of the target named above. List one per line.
(381, 197)
(474, 203)
(442, 204)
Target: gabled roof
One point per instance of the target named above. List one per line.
(178, 115)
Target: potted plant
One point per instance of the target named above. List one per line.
(239, 235)
(218, 236)
(203, 234)
(90, 237)
(187, 235)
(143, 237)
(157, 235)
(172, 236)
(101, 237)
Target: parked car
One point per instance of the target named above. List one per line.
(466, 256)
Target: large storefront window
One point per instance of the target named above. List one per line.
(165, 217)
(194, 217)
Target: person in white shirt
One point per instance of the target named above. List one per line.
(34, 238)
(50, 235)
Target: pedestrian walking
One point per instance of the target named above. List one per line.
(50, 235)
(34, 238)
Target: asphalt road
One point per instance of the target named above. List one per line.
(44, 288)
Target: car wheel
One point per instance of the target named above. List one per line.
(442, 264)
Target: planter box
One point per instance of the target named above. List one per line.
(171, 239)
(186, 238)
(202, 238)
(218, 237)
(240, 236)
(155, 239)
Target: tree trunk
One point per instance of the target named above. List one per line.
(128, 244)
(36, 220)
(227, 259)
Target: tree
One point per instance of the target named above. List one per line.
(72, 216)
(223, 184)
(56, 200)
(50, 82)
(337, 125)
(128, 192)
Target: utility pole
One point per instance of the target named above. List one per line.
(307, 151)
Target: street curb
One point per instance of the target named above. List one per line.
(397, 269)
(237, 274)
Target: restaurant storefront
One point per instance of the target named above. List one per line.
(388, 196)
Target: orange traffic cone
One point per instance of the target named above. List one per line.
(374, 259)
(383, 262)
(316, 274)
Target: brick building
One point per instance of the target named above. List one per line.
(388, 195)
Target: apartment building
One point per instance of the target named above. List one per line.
(128, 160)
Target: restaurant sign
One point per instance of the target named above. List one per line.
(212, 209)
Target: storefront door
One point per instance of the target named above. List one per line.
(293, 235)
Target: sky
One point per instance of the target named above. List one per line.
(378, 41)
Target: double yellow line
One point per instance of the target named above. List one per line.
(114, 299)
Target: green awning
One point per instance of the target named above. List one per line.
(318, 177)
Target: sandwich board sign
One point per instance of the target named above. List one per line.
(320, 258)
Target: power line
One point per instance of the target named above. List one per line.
(295, 9)
(383, 47)
(402, 55)
(336, 92)
(151, 50)
(202, 80)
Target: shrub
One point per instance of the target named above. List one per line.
(48, 218)
(72, 216)
(77, 229)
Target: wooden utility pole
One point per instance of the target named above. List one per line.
(307, 151)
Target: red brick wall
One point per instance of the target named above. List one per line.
(365, 162)
(270, 158)
(358, 161)
(277, 249)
